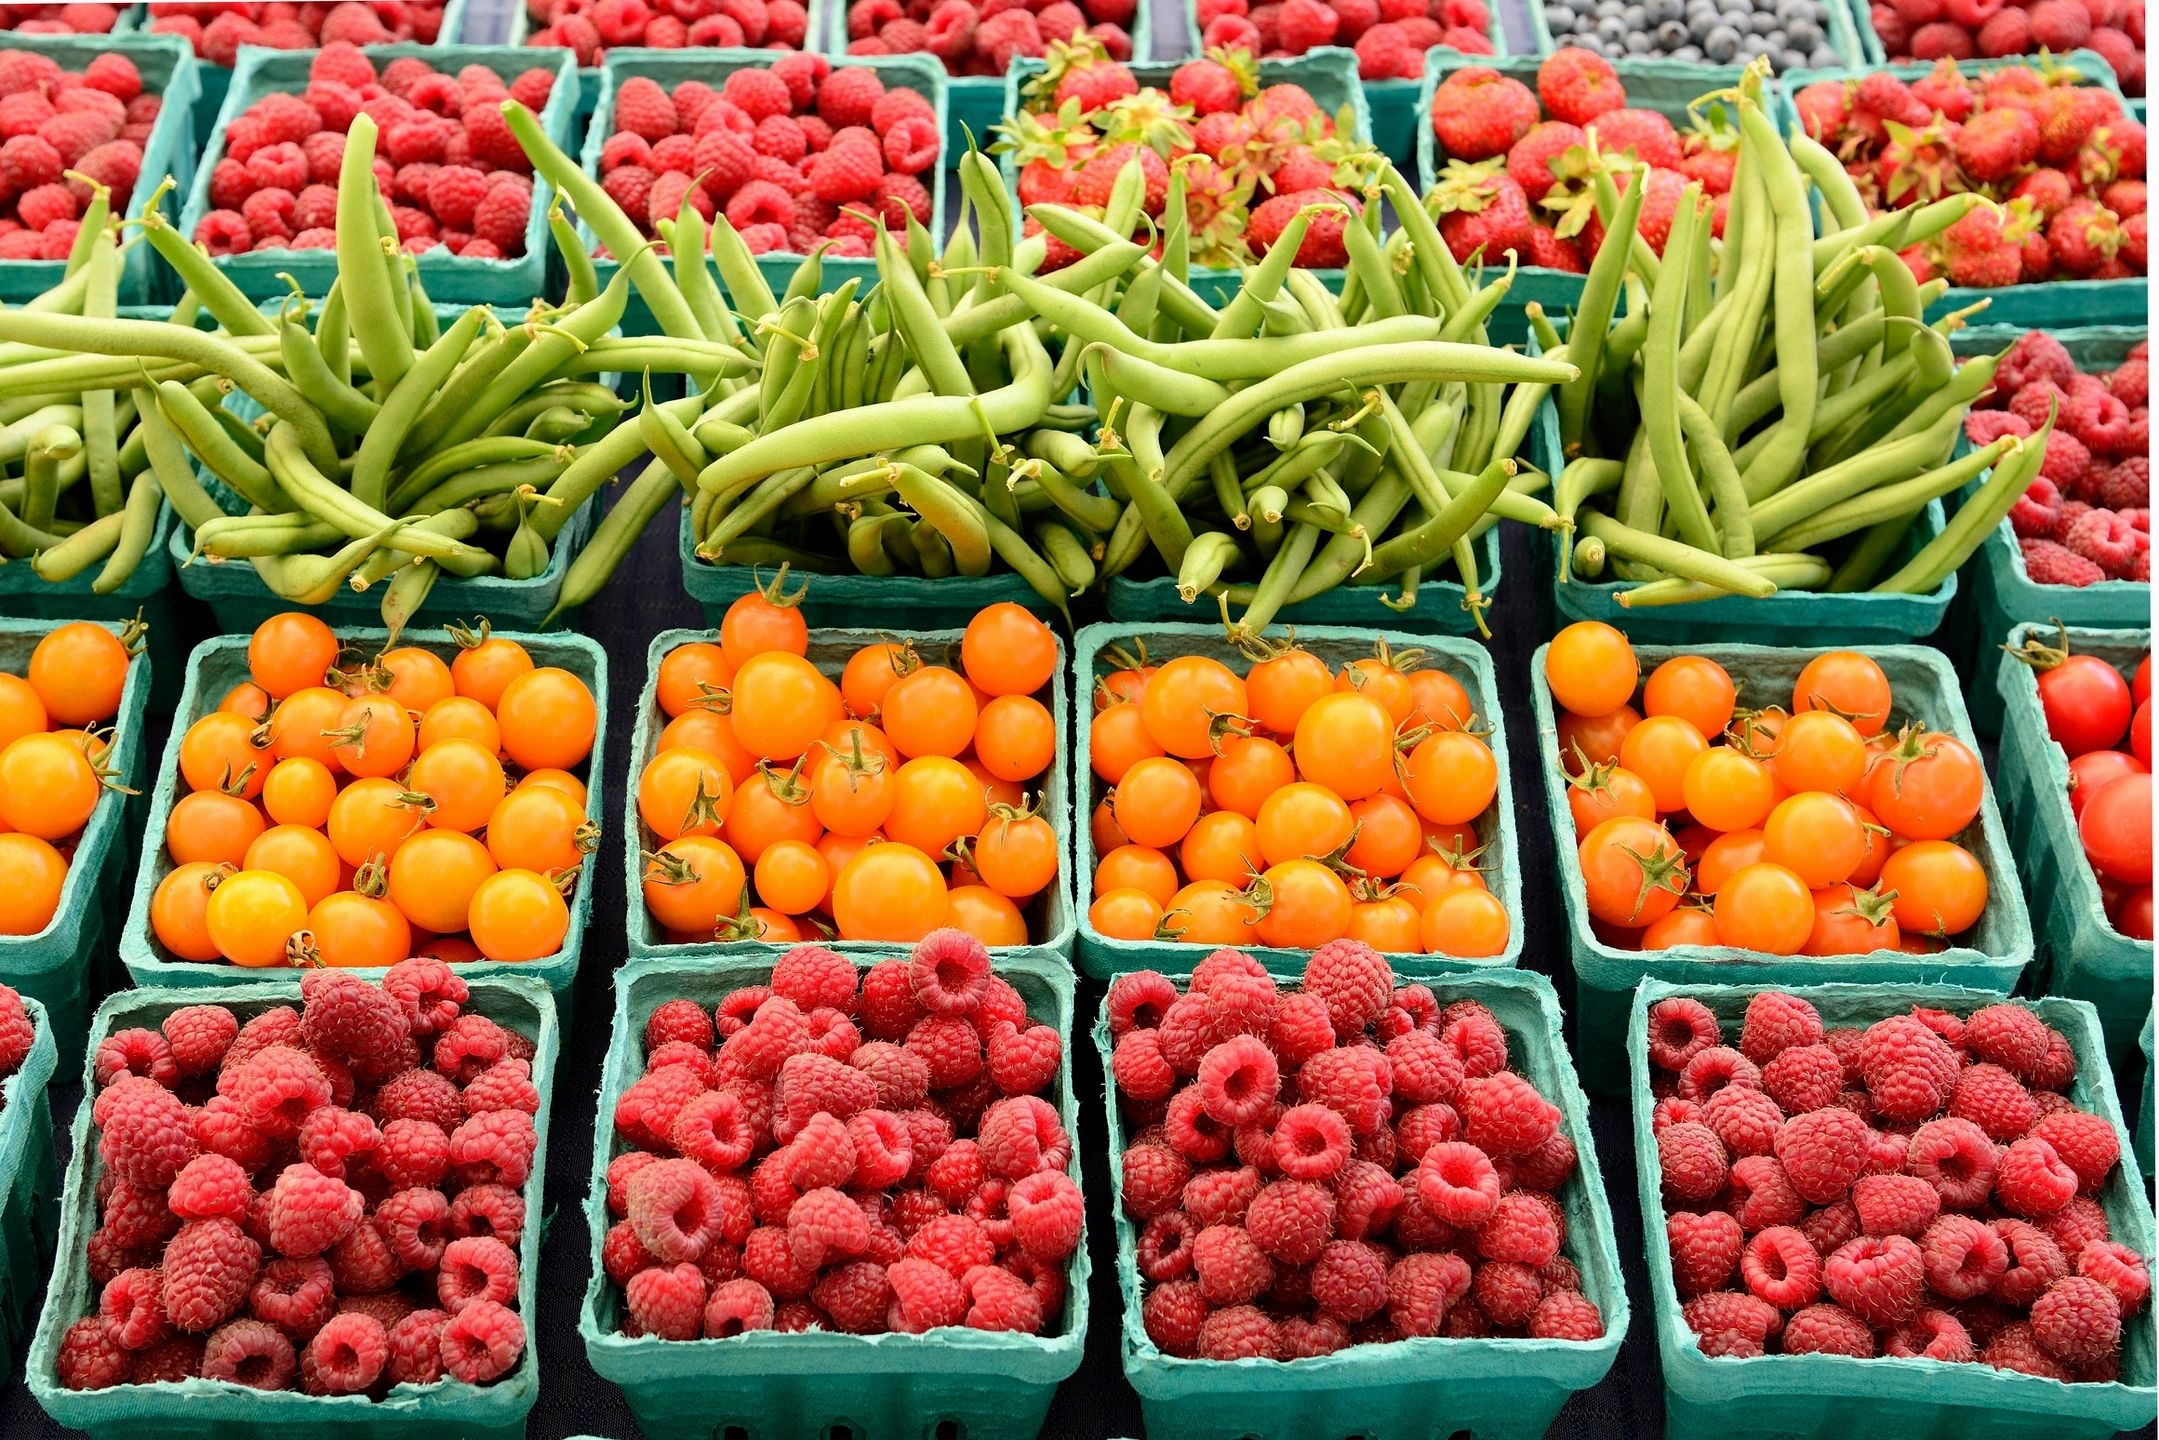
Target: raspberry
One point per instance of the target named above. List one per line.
(346, 1357)
(735, 1307)
(1908, 1069)
(1705, 1249)
(1691, 1161)
(419, 1095)
(428, 994)
(1353, 980)
(1024, 1061)
(2014, 1347)
(825, 1224)
(946, 1043)
(667, 1303)
(887, 1008)
(1775, 1023)
(1782, 1267)
(1761, 1193)
(1745, 1120)
(494, 1147)
(1021, 1135)
(1047, 1213)
(413, 1153)
(1521, 1228)
(308, 1212)
(2076, 1225)
(2120, 1269)
(1354, 1083)
(249, 1352)
(1895, 1204)
(482, 1342)
(2087, 1143)
(849, 96)
(133, 1310)
(1367, 1199)
(1230, 1265)
(1000, 1300)
(207, 1269)
(210, 1186)
(1505, 1292)
(1291, 1220)
(675, 1020)
(144, 1134)
(1930, 1335)
(645, 1113)
(415, 1346)
(1714, 1068)
(1421, 1288)
(90, 1359)
(1172, 1314)
(959, 1172)
(142, 1053)
(1566, 1315)
(1238, 1079)
(2034, 1262)
(1729, 1323)
(275, 1088)
(1237, 1332)
(1349, 1280)
(474, 1268)
(2031, 1178)
(412, 1223)
(297, 1296)
(1827, 1330)
(1822, 1152)
(1502, 1114)
(331, 1137)
(1994, 1100)
(954, 1242)
(175, 1359)
(674, 1208)
(1878, 1278)
(1456, 1182)
(1956, 1158)
(1301, 1028)
(2077, 1320)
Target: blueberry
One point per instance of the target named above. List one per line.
(1721, 45)
(1670, 36)
(1823, 57)
(1691, 54)
(1802, 35)
(1611, 28)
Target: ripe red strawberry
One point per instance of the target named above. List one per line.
(1824, 108)
(1548, 250)
(1917, 165)
(1095, 82)
(1578, 85)
(1530, 159)
(1322, 245)
(1096, 178)
(2084, 235)
(1482, 209)
(1478, 113)
(1649, 135)
(1215, 85)
(2046, 189)
(1976, 253)
(1659, 204)
(1995, 144)
(1944, 91)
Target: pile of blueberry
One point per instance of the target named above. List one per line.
(1791, 33)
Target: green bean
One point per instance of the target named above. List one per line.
(1089, 511)
(138, 526)
(1734, 524)
(204, 280)
(326, 500)
(979, 321)
(1759, 396)
(1228, 494)
(1792, 290)
(1887, 502)
(1581, 479)
(1319, 304)
(175, 472)
(962, 522)
(647, 495)
(1437, 535)
(1883, 229)
(316, 579)
(15, 439)
(1088, 235)
(101, 440)
(402, 408)
(583, 280)
(1753, 279)
(1626, 543)
(525, 556)
(1066, 555)
(218, 449)
(1863, 562)
(1862, 472)
(384, 563)
(1267, 504)
(601, 461)
(1280, 579)
(78, 552)
(1660, 354)
(237, 537)
(364, 263)
(407, 592)
(339, 402)
(1779, 572)
(1204, 561)
(1976, 518)
(1175, 391)
(481, 483)
(49, 449)
(932, 555)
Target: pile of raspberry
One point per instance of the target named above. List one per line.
(2087, 517)
(792, 155)
(73, 19)
(591, 27)
(94, 121)
(17, 1032)
(1961, 29)
(985, 38)
(326, 1199)
(1346, 1164)
(866, 1152)
(445, 161)
(218, 28)
(1920, 1188)
(1389, 36)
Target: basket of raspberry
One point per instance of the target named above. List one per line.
(1837, 827)
(977, 49)
(1420, 1244)
(860, 1212)
(2145, 1123)
(1930, 30)
(1503, 160)
(313, 1205)
(27, 1208)
(73, 698)
(796, 783)
(2077, 724)
(590, 30)
(78, 17)
(216, 29)
(798, 155)
(1888, 1210)
(2049, 141)
(1284, 792)
(2078, 548)
(462, 193)
(1080, 117)
(112, 109)
(1393, 42)
(336, 798)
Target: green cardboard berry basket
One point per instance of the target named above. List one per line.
(1492, 1389)
(2038, 305)
(1440, 607)
(1397, 107)
(1101, 956)
(2080, 953)
(217, 79)
(68, 965)
(222, 1410)
(260, 274)
(1800, 617)
(1328, 74)
(976, 103)
(2144, 1110)
(1050, 916)
(220, 663)
(766, 1385)
(670, 68)
(1990, 956)
(29, 1212)
(1838, 1397)
(1665, 86)
(240, 600)
(169, 69)
(1999, 592)
(1843, 34)
(837, 596)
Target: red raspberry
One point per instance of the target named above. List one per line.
(1354, 1084)
(1881, 1279)
(2088, 1143)
(1895, 1204)
(1172, 1314)
(1021, 1135)
(428, 994)
(1729, 1323)
(1691, 1161)
(275, 1088)
(1714, 1068)
(144, 1133)
(1827, 1330)
(1908, 1068)
(1822, 1152)
(1354, 981)
(667, 1303)
(1238, 1079)
(1291, 1220)
(415, 1348)
(1024, 1061)
(849, 95)
(505, 1085)
(674, 1207)
(1421, 1288)
(503, 215)
(207, 1187)
(1746, 1121)
(1761, 1193)
(494, 1147)
(645, 1113)
(825, 1225)
(482, 1342)
(1566, 1315)
(2120, 1269)
(1503, 1114)
(887, 1009)
(1930, 1335)
(476, 1267)
(2076, 1225)
(2034, 1262)
(220, 1128)
(297, 1296)
(171, 1360)
(137, 1052)
(411, 1223)
(1349, 1280)
(1705, 1249)
(1230, 1264)
(249, 1352)
(413, 1153)
(1775, 1023)
(1956, 1158)
(346, 1357)
(90, 1359)
(307, 1211)
(499, 1211)
(1994, 1100)
(133, 1309)
(207, 1270)
(2014, 1347)
(2031, 1178)
(1782, 1267)
(2078, 1321)
(1311, 1142)
(1522, 1228)
(331, 1137)
(813, 976)
(1138, 1000)
(1457, 1183)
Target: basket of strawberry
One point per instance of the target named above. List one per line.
(1503, 158)
(1264, 139)
(462, 193)
(2051, 145)
(1393, 40)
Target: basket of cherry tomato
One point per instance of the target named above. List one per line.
(330, 798)
(71, 720)
(863, 787)
(2076, 793)
(1278, 792)
(1811, 816)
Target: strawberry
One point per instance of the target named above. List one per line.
(1649, 135)
(1578, 85)
(1976, 253)
(1995, 144)
(2115, 151)
(1478, 113)
(1081, 70)
(1481, 210)
(1551, 252)
(2084, 234)
(1530, 159)
(1943, 91)
(1659, 204)
(1889, 98)
(1098, 177)
(1824, 109)
(1917, 165)
(1301, 169)
(1306, 25)
(1215, 85)
(2046, 189)
(2133, 253)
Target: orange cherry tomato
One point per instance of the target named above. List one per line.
(179, 908)
(414, 678)
(692, 677)
(1303, 820)
(32, 877)
(1820, 751)
(1597, 737)
(517, 915)
(1726, 856)
(370, 819)
(302, 723)
(1308, 905)
(891, 892)
(1392, 923)
(1766, 908)
(1188, 701)
(1008, 651)
(1591, 668)
(465, 782)
(930, 712)
(1345, 741)
(1212, 913)
(1451, 777)
(80, 671)
(780, 705)
(1940, 888)
(1102, 828)
(713, 733)
(1696, 689)
(353, 930)
(758, 923)
(872, 671)
(1016, 737)
(303, 856)
(374, 735)
(983, 913)
(1687, 925)
(1378, 677)
(1433, 873)
(21, 711)
(1016, 855)
(1135, 867)
(218, 752)
(1125, 914)
(1928, 786)
(692, 884)
(853, 791)
(1727, 789)
(211, 825)
(460, 717)
(935, 801)
(684, 792)
(252, 917)
(1606, 791)
(1869, 868)
(289, 653)
(1246, 772)
(1659, 750)
(766, 619)
(1852, 921)
(1633, 869)
(561, 780)
(792, 877)
(1817, 837)
(486, 665)
(1156, 802)
(299, 791)
(246, 699)
(1283, 686)
(1388, 836)
(1466, 922)
(1440, 701)
(1222, 845)
(549, 719)
(769, 807)
(433, 876)
(1845, 683)
(1117, 739)
(537, 827)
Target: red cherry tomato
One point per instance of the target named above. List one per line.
(2140, 732)
(2140, 687)
(2094, 770)
(2086, 702)
(2132, 913)
(2116, 828)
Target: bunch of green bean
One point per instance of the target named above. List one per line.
(392, 446)
(1773, 411)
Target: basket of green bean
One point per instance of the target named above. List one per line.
(921, 73)
(169, 71)
(1765, 438)
(260, 274)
